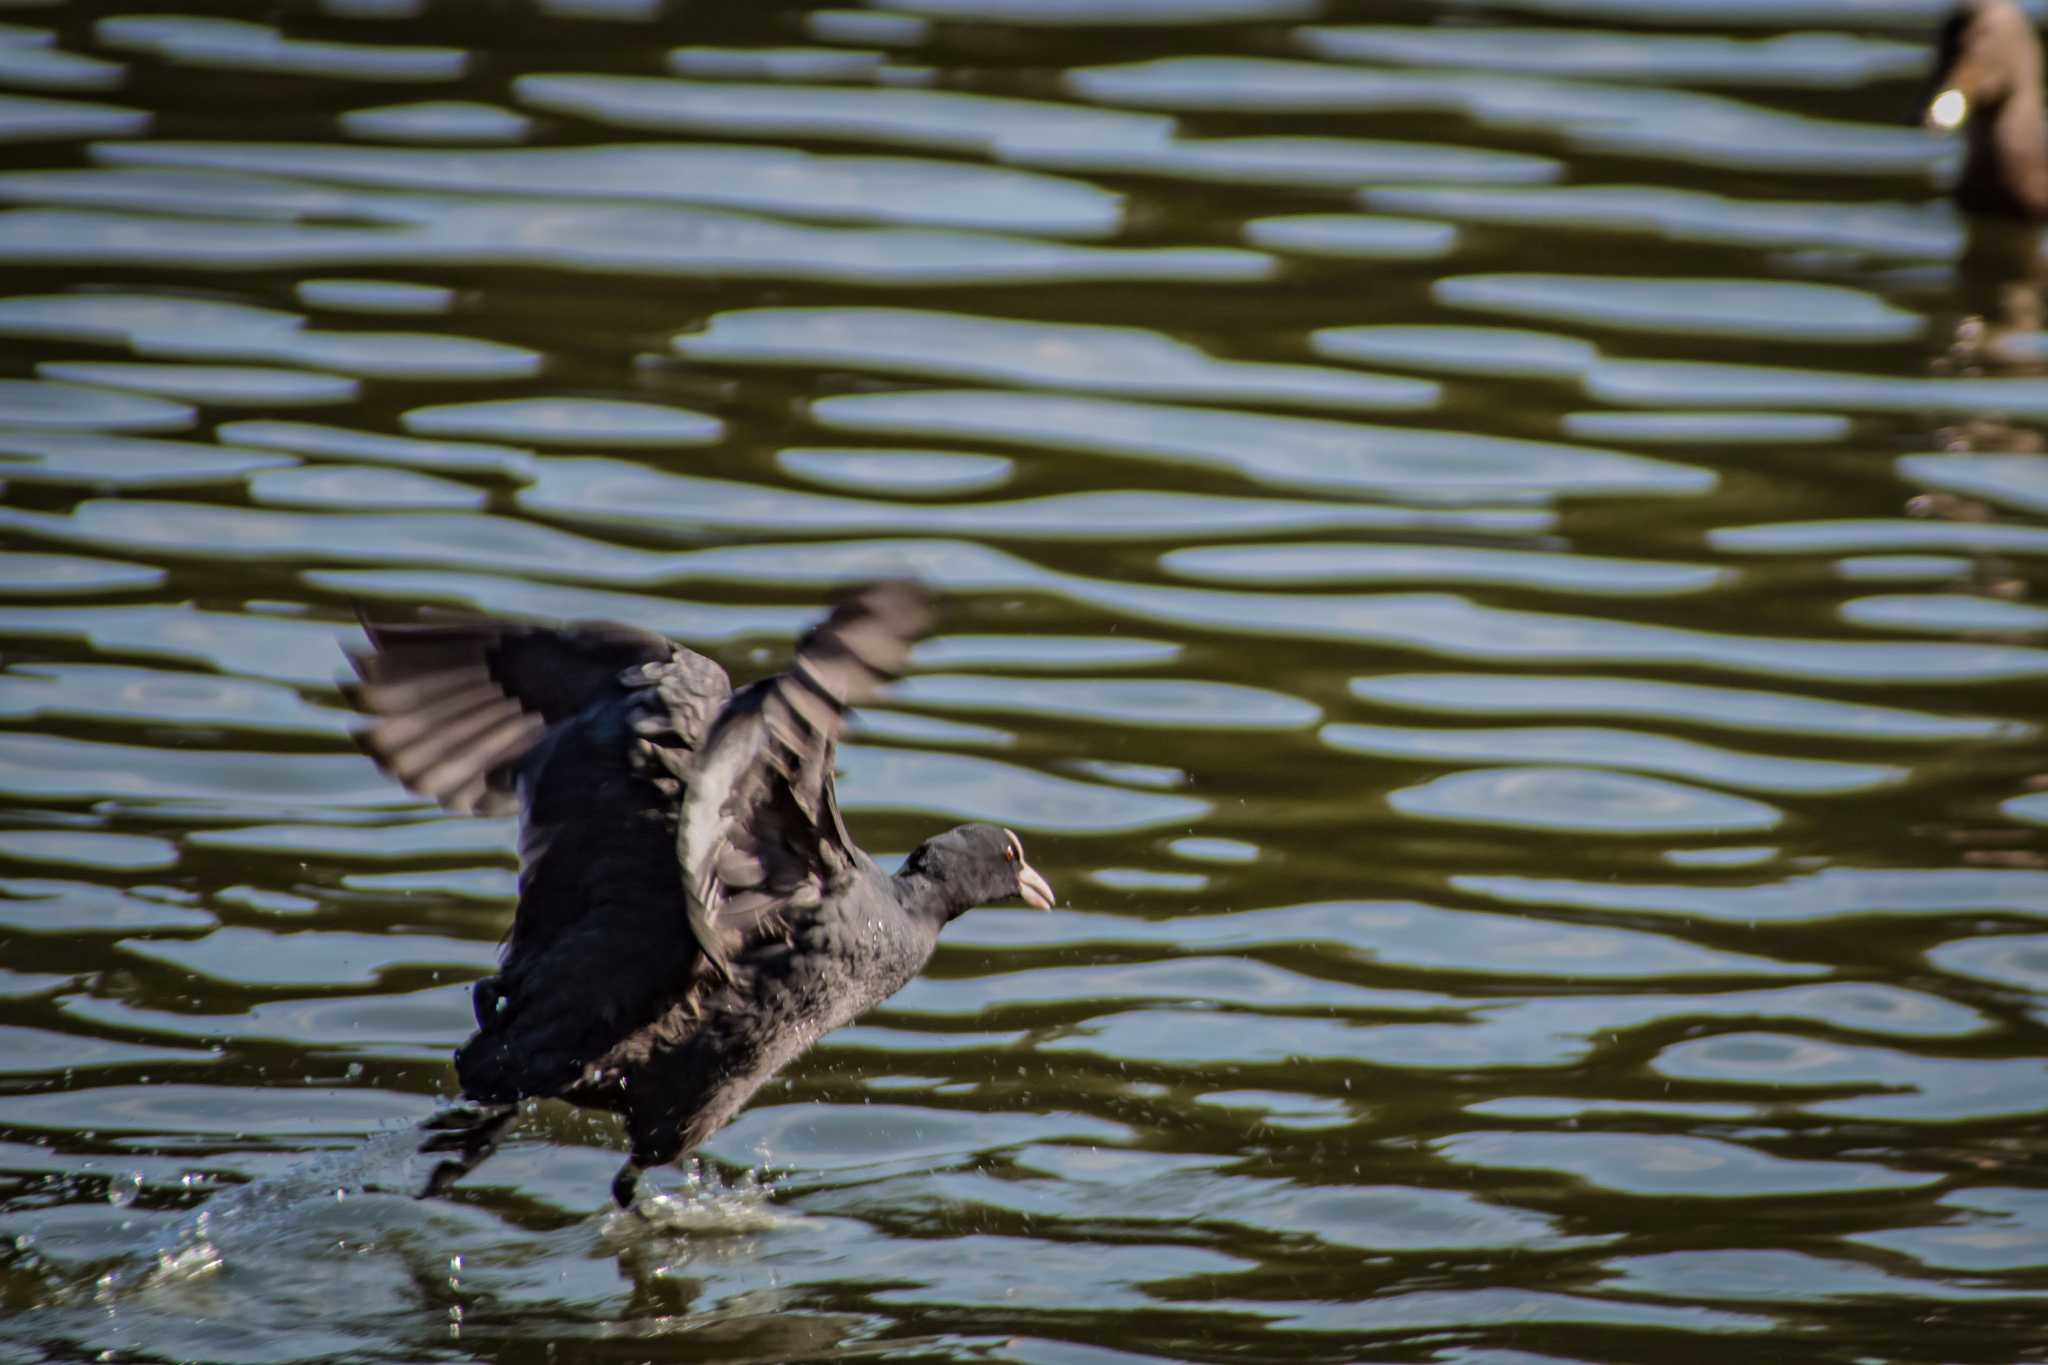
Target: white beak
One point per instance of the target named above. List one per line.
(1948, 111)
(1036, 890)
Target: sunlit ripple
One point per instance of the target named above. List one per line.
(1115, 360)
(1785, 1276)
(2019, 481)
(1353, 236)
(773, 179)
(33, 66)
(605, 239)
(1689, 216)
(207, 385)
(1580, 800)
(25, 118)
(1358, 563)
(1599, 747)
(1837, 893)
(1820, 60)
(1763, 309)
(1699, 383)
(147, 696)
(1670, 123)
(40, 574)
(614, 493)
(1893, 1085)
(100, 460)
(236, 44)
(40, 405)
(922, 118)
(2000, 1229)
(437, 121)
(1672, 1167)
(1288, 452)
(1400, 934)
(1768, 712)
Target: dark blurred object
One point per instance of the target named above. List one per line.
(1987, 84)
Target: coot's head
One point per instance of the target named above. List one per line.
(1985, 53)
(976, 865)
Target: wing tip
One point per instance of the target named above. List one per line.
(904, 604)
(873, 625)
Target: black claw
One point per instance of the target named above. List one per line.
(445, 1174)
(458, 1141)
(470, 1133)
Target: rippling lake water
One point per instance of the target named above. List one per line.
(1491, 555)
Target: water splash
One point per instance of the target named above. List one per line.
(244, 1225)
(244, 1220)
(702, 1202)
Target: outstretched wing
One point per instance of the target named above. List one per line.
(589, 731)
(457, 704)
(761, 835)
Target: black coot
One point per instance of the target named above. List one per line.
(692, 911)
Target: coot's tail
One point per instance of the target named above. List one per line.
(467, 1134)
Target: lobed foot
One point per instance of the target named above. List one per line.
(626, 1185)
(469, 1132)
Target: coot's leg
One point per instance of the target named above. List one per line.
(626, 1184)
(470, 1132)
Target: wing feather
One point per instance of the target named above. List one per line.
(761, 835)
(587, 731)
(458, 702)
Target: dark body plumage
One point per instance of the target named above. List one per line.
(692, 911)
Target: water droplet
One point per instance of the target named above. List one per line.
(123, 1190)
